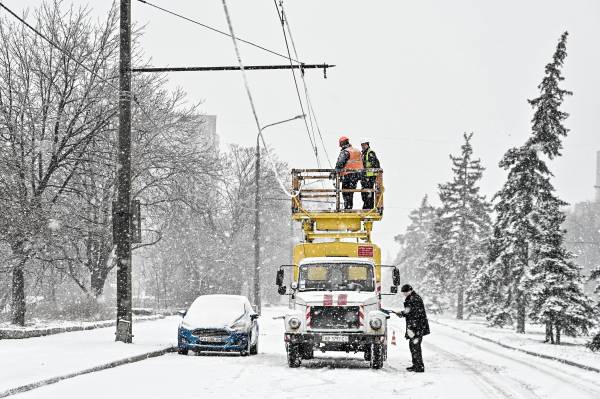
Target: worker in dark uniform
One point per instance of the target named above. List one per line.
(367, 180)
(417, 326)
(349, 159)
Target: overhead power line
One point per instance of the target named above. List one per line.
(213, 29)
(56, 46)
(311, 112)
(70, 56)
(252, 106)
(308, 130)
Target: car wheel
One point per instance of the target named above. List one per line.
(248, 349)
(182, 351)
(254, 348)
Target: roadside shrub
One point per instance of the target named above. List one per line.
(594, 344)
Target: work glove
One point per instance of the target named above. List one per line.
(410, 333)
(415, 341)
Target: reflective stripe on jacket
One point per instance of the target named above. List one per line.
(354, 160)
(367, 162)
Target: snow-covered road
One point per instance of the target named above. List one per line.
(458, 366)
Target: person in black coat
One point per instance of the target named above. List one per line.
(417, 326)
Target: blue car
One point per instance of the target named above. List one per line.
(216, 323)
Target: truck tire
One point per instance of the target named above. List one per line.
(367, 353)
(376, 356)
(293, 355)
(307, 352)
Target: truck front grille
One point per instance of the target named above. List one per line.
(334, 317)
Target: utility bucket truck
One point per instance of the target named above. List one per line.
(335, 281)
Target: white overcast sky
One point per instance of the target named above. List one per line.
(411, 75)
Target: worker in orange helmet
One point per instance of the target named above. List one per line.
(349, 165)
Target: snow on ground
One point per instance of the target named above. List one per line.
(571, 349)
(458, 366)
(29, 360)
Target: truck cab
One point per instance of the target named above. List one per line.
(335, 283)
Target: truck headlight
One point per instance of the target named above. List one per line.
(294, 323)
(375, 324)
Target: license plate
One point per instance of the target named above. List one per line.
(334, 338)
(211, 339)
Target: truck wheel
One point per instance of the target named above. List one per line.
(376, 356)
(368, 353)
(293, 355)
(307, 352)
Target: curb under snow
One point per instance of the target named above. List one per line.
(116, 363)
(18, 333)
(532, 353)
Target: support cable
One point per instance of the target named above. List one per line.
(213, 29)
(311, 138)
(70, 56)
(253, 107)
(311, 113)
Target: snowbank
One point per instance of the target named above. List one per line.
(14, 332)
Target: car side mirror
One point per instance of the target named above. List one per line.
(394, 289)
(282, 289)
(182, 313)
(396, 277)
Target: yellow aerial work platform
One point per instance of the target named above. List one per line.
(321, 209)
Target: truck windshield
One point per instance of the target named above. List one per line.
(336, 277)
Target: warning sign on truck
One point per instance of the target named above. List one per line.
(365, 250)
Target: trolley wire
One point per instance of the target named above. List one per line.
(308, 130)
(149, 117)
(252, 105)
(311, 112)
(213, 29)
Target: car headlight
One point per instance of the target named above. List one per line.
(375, 324)
(294, 323)
(239, 326)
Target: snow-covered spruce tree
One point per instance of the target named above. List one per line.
(437, 275)
(413, 243)
(465, 221)
(594, 344)
(555, 281)
(526, 199)
(488, 286)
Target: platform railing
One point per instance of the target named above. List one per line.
(305, 196)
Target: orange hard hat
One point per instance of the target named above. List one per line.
(342, 139)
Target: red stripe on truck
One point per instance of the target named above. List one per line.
(327, 300)
(342, 299)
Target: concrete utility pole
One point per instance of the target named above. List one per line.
(122, 213)
(257, 302)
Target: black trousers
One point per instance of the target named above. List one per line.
(417, 356)
(368, 198)
(349, 181)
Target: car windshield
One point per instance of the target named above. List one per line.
(336, 277)
(215, 311)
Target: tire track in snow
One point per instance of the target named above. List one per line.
(591, 387)
(485, 384)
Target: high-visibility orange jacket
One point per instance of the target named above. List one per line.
(353, 159)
